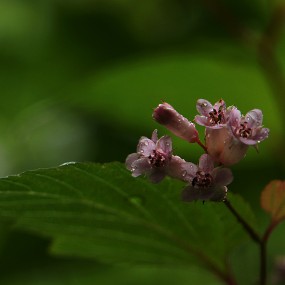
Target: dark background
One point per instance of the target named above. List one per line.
(79, 80)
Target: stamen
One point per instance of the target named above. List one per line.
(157, 159)
(202, 180)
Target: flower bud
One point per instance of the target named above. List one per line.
(167, 116)
(223, 147)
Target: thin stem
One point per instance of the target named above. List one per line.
(254, 236)
(263, 263)
(263, 252)
(202, 145)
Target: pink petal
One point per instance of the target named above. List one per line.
(234, 119)
(165, 144)
(220, 103)
(190, 194)
(216, 194)
(222, 176)
(261, 135)
(206, 163)
(219, 194)
(156, 176)
(248, 141)
(154, 136)
(145, 146)
(180, 169)
(254, 118)
(204, 107)
(201, 120)
(140, 166)
(130, 159)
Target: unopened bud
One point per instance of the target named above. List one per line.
(167, 116)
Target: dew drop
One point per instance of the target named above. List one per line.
(136, 200)
(141, 151)
(68, 163)
(258, 141)
(184, 173)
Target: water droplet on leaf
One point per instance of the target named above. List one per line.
(136, 200)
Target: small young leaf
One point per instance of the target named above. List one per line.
(273, 200)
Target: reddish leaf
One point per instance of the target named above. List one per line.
(273, 200)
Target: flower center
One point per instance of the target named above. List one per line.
(217, 116)
(157, 159)
(244, 131)
(202, 180)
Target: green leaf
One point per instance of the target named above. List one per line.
(101, 212)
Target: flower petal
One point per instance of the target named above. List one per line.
(204, 107)
(216, 194)
(156, 175)
(180, 169)
(219, 194)
(261, 134)
(219, 104)
(130, 159)
(254, 118)
(145, 146)
(140, 166)
(201, 120)
(190, 194)
(222, 176)
(154, 136)
(234, 119)
(165, 144)
(206, 163)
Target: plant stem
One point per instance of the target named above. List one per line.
(202, 145)
(262, 242)
(263, 262)
(263, 252)
(254, 236)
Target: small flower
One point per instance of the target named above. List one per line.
(167, 116)
(206, 181)
(154, 158)
(215, 117)
(248, 129)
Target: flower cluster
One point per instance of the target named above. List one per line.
(228, 135)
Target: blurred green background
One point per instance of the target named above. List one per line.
(79, 80)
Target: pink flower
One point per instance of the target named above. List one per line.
(154, 158)
(206, 181)
(248, 129)
(167, 116)
(214, 117)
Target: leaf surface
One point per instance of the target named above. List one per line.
(101, 212)
(273, 200)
